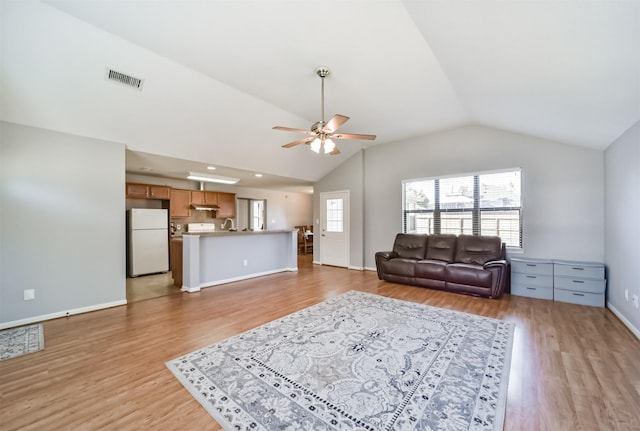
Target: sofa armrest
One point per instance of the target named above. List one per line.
(383, 256)
(500, 271)
(386, 255)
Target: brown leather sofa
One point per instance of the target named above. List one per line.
(469, 264)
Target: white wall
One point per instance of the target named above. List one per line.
(622, 230)
(562, 185)
(62, 223)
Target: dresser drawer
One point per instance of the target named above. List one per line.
(532, 280)
(581, 298)
(578, 269)
(532, 291)
(531, 267)
(579, 284)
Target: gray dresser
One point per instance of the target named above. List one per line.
(579, 282)
(532, 277)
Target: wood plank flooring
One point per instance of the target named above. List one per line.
(573, 367)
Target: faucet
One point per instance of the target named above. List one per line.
(224, 225)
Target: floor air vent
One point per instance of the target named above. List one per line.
(124, 79)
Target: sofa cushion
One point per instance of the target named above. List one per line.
(399, 266)
(410, 246)
(441, 247)
(478, 250)
(473, 275)
(431, 269)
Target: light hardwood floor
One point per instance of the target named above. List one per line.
(573, 367)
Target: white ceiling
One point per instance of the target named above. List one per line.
(220, 74)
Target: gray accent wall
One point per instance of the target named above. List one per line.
(62, 223)
(562, 187)
(622, 229)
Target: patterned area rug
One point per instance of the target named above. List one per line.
(357, 362)
(16, 342)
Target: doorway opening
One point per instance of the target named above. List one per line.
(252, 213)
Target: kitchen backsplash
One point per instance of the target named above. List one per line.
(198, 217)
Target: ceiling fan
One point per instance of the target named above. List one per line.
(322, 134)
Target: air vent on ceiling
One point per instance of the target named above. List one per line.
(124, 79)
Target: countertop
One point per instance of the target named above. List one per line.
(234, 233)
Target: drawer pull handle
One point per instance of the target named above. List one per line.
(531, 264)
(578, 281)
(531, 288)
(578, 294)
(578, 268)
(531, 276)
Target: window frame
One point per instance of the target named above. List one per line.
(475, 211)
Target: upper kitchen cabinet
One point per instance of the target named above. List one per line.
(227, 204)
(201, 197)
(147, 191)
(180, 202)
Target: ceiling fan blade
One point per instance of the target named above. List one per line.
(334, 123)
(298, 142)
(335, 152)
(290, 129)
(353, 136)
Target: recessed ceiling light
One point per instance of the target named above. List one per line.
(258, 175)
(211, 168)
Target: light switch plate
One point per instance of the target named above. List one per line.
(29, 294)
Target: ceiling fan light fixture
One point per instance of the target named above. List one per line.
(315, 145)
(324, 131)
(329, 146)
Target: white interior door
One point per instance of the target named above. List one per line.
(334, 228)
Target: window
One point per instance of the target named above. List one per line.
(475, 204)
(334, 215)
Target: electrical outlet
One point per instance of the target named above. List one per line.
(29, 294)
(245, 262)
(626, 294)
(634, 299)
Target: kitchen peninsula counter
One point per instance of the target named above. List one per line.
(212, 258)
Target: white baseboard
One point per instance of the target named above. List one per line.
(356, 268)
(59, 314)
(624, 320)
(242, 277)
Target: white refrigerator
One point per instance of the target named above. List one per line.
(148, 241)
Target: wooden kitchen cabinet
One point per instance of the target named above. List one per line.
(137, 190)
(159, 192)
(211, 198)
(227, 204)
(197, 197)
(147, 191)
(201, 197)
(180, 203)
(176, 261)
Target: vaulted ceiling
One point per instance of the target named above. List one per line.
(218, 75)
